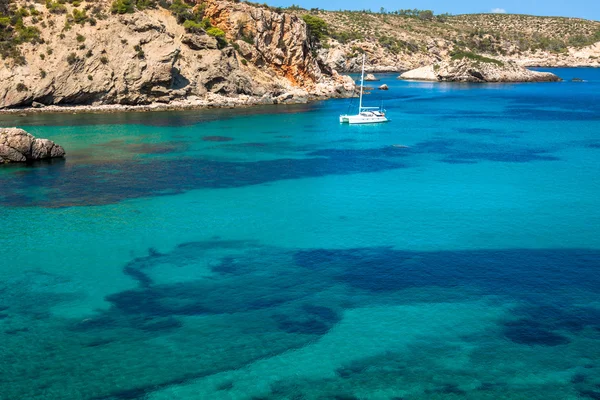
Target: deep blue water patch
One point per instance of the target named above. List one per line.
(457, 161)
(65, 184)
(447, 389)
(281, 301)
(531, 332)
(531, 274)
(217, 138)
(464, 150)
(590, 394)
(143, 148)
(82, 185)
(456, 151)
(561, 316)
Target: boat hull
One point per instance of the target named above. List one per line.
(359, 119)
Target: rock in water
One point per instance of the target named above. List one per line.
(16, 145)
(370, 77)
(478, 70)
(383, 87)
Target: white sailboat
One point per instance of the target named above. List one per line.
(366, 115)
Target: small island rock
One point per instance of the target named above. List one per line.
(383, 87)
(16, 145)
(478, 70)
(370, 77)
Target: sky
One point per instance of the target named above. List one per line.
(588, 9)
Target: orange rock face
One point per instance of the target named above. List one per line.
(275, 40)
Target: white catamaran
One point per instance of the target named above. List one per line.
(366, 115)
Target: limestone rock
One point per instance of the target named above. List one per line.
(147, 57)
(16, 145)
(199, 41)
(420, 74)
(8, 154)
(383, 87)
(468, 70)
(370, 77)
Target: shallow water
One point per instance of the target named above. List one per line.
(271, 253)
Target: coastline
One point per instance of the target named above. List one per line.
(192, 103)
(215, 101)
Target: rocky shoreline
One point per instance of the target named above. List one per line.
(477, 69)
(193, 103)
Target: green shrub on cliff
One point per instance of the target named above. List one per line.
(216, 32)
(4, 6)
(13, 32)
(122, 7)
(317, 28)
(55, 7)
(460, 54)
(72, 58)
(396, 45)
(196, 27)
(181, 11)
(145, 4)
(346, 36)
(219, 34)
(192, 26)
(79, 16)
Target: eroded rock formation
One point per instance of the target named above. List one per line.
(467, 70)
(16, 145)
(147, 57)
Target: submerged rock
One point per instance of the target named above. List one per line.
(478, 70)
(16, 145)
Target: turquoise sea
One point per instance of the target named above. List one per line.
(271, 253)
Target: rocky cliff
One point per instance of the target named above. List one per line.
(86, 54)
(16, 145)
(477, 70)
(407, 39)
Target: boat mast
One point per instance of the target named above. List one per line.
(362, 77)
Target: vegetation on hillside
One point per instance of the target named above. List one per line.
(14, 31)
(408, 31)
(461, 54)
(404, 31)
(317, 28)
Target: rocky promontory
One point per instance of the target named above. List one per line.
(93, 53)
(477, 70)
(16, 145)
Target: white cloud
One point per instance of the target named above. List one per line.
(498, 10)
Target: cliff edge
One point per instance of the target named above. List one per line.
(95, 53)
